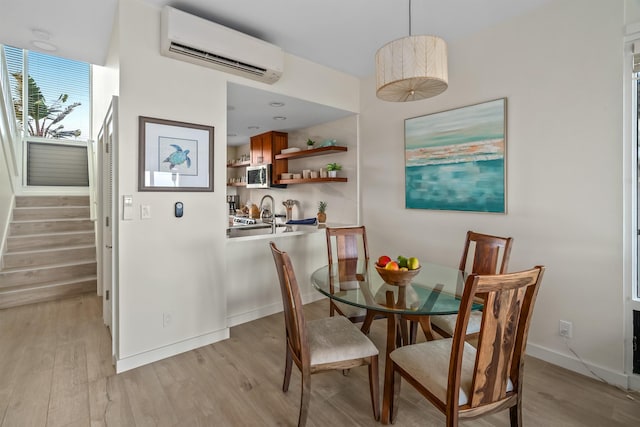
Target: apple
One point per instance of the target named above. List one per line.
(383, 260)
(392, 265)
(413, 263)
(402, 261)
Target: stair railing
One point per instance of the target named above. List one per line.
(9, 133)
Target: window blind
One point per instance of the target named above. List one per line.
(54, 77)
(50, 164)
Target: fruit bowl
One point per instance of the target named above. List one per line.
(397, 277)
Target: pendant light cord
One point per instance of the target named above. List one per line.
(410, 18)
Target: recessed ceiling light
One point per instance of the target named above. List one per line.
(41, 34)
(253, 127)
(279, 118)
(44, 45)
(277, 104)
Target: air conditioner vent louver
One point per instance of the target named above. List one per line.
(190, 38)
(217, 59)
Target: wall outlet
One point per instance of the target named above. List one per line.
(166, 319)
(565, 329)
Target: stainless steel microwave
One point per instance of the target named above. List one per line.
(259, 176)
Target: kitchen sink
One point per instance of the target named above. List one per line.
(254, 229)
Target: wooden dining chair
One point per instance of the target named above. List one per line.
(350, 247)
(322, 344)
(482, 254)
(467, 382)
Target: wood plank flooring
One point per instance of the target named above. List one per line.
(55, 370)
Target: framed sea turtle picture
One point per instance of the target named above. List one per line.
(174, 156)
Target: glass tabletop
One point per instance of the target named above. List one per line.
(435, 290)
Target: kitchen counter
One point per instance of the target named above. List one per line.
(252, 288)
(261, 231)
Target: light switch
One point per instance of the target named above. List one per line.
(127, 208)
(145, 211)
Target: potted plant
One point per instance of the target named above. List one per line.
(333, 169)
(322, 214)
(310, 144)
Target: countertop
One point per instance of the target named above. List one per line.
(282, 230)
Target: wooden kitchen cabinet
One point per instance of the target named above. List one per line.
(266, 146)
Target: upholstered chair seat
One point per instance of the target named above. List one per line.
(334, 339)
(350, 311)
(447, 323)
(437, 354)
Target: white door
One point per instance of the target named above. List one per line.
(107, 139)
(632, 293)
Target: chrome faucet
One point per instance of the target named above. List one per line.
(266, 214)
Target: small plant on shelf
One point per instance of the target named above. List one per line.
(310, 144)
(322, 212)
(333, 169)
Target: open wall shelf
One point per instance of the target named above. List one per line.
(310, 153)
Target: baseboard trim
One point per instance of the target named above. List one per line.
(151, 356)
(268, 310)
(615, 378)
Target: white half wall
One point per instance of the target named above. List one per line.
(560, 67)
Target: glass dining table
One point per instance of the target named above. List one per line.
(435, 290)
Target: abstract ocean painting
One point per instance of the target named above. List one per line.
(455, 159)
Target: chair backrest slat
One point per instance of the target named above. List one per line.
(293, 309)
(487, 255)
(350, 245)
(509, 300)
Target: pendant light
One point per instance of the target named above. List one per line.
(411, 68)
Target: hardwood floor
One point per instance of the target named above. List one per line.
(55, 370)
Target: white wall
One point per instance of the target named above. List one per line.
(170, 265)
(105, 83)
(561, 69)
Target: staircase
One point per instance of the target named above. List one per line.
(50, 251)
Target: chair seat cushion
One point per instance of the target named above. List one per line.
(350, 310)
(335, 339)
(447, 322)
(428, 363)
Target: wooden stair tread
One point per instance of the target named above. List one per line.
(56, 220)
(23, 295)
(52, 200)
(48, 266)
(49, 250)
(55, 233)
(48, 284)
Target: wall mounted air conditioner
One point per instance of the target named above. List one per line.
(194, 39)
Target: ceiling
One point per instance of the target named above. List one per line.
(343, 35)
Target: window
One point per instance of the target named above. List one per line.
(58, 99)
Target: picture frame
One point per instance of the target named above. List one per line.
(174, 156)
(455, 160)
